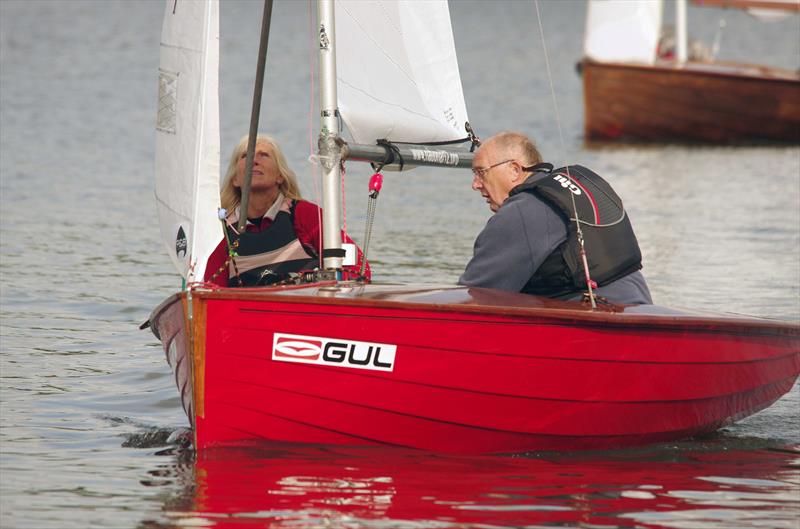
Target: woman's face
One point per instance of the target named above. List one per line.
(265, 170)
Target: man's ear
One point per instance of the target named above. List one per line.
(517, 170)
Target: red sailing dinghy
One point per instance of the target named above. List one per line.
(441, 368)
(463, 369)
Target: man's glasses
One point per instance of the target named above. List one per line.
(481, 172)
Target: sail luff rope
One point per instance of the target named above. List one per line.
(312, 35)
(564, 154)
(344, 205)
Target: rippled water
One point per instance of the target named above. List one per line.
(87, 402)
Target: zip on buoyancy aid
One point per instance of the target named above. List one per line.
(611, 247)
(270, 255)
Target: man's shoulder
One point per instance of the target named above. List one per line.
(530, 210)
(524, 201)
(515, 212)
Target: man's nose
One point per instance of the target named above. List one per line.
(476, 183)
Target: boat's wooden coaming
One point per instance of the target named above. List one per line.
(715, 103)
(484, 370)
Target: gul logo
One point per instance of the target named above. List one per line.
(295, 347)
(333, 352)
(567, 183)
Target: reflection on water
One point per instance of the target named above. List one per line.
(281, 486)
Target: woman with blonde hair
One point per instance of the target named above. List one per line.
(283, 234)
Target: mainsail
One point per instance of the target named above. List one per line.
(187, 137)
(397, 73)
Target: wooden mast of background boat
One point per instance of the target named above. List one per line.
(255, 113)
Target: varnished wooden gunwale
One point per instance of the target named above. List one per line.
(484, 303)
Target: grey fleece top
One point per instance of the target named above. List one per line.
(516, 241)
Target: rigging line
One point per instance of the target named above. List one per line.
(315, 177)
(564, 152)
(344, 205)
(552, 87)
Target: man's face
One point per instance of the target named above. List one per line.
(493, 175)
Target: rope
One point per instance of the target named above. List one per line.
(231, 252)
(344, 205)
(375, 184)
(589, 281)
(392, 155)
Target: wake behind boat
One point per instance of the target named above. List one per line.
(443, 368)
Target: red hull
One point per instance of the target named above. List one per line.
(696, 102)
(475, 370)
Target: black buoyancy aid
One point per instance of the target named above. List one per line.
(611, 247)
(270, 255)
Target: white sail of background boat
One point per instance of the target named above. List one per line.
(438, 367)
(187, 135)
(636, 88)
(623, 31)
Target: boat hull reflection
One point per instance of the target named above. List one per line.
(283, 486)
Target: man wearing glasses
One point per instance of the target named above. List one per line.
(532, 243)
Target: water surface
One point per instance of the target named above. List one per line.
(87, 402)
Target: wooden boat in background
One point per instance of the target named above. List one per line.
(442, 368)
(632, 93)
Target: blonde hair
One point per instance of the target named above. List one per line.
(230, 196)
(516, 143)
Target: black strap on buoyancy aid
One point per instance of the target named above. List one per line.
(611, 247)
(279, 235)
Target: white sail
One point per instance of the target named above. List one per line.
(397, 71)
(623, 30)
(187, 134)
